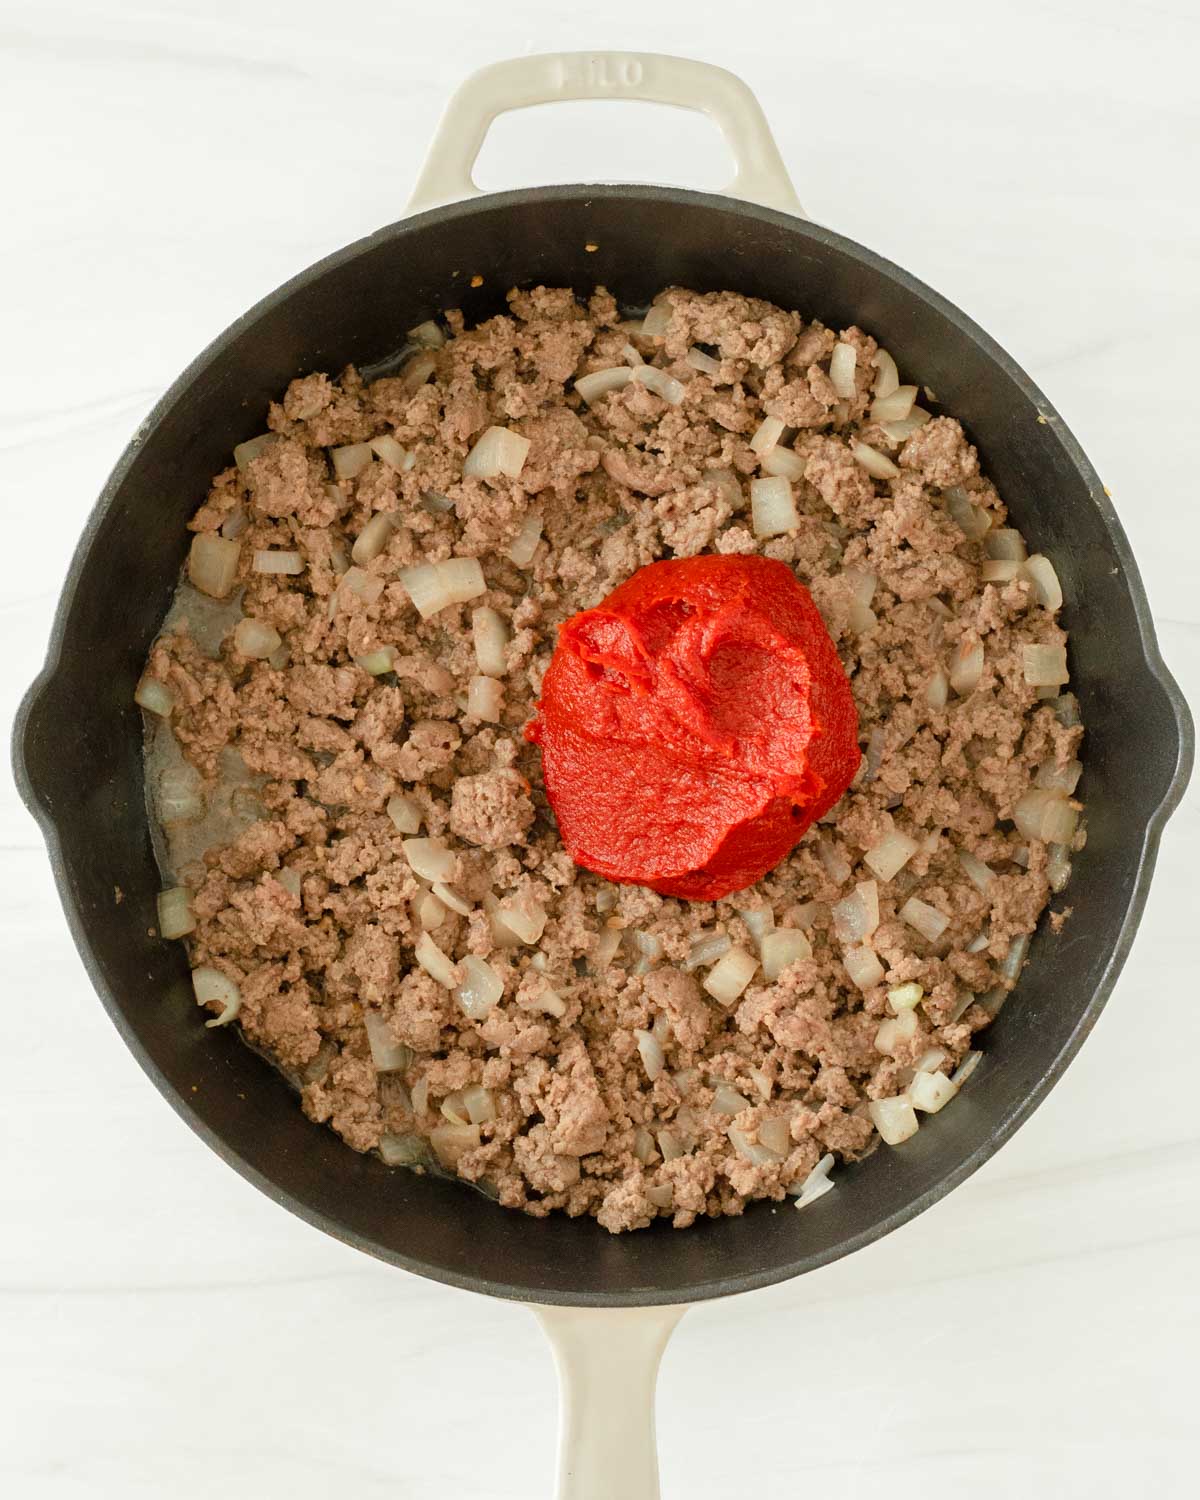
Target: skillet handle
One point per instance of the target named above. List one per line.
(608, 1362)
(652, 76)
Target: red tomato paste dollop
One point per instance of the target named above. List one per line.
(694, 725)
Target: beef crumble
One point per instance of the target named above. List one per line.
(476, 1000)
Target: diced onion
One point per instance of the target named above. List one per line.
(154, 696)
(275, 561)
(706, 949)
(388, 1055)
(373, 538)
(900, 432)
(453, 1142)
(245, 453)
(766, 435)
(973, 522)
(727, 1100)
(402, 1150)
(479, 989)
(1044, 813)
(895, 406)
(175, 916)
(605, 950)
(705, 363)
(661, 1194)
(657, 320)
(435, 962)
(630, 355)
(416, 372)
(480, 1105)
(754, 1152)
(600, 382)
(889, 856)
(523, 916)
(929, 1092)
(842, 364)
(213, 564)
(670, 1145)
(905, 997)
(179, 799)
(1058, 867)
(782, 948)
(875, 463)
(428, 911)
(650, 946)
(210, 986)
(726, 483)
(351, 459)
(896, 1030)
(1045, 666)
(235, 522)
(435, 504)
(937, 689)
(498, 451)
(405, 814)
(730, 975)
(979, 874)
(1040, 572)
(377, 662)
(965, 1068)
(923, 918)
(856, 916)
(525, 543)
(775, 1135)
(1063, 778)
(966, 665)
(485, 699)
(759, 921)
(652, 1055)
(658, 381)
(429, 859)
(255, 638)
(772, 506)
(783, 463)
(643, 1145)
(490, 635)
(1005, 543)
(362, 585)
(816, 1184)
(395, 456)
(863, 967)
(999, 570)
(428, 335)
(435, 586)
(837, 866)
(888, 379)
(450, 898)
(894, 1119)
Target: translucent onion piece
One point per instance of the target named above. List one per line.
(235, 522)
(213, 564)
(999, 570)
(405, 813)
(862, 584)
(730, 975)
(605, 950)
(606, 899)
(452, 1142)
(970, 520)
(766, 435)
(930, 1060)
(937, 690)
(1066, 710)
(652, 1055)
(661, 1194)
(929, 1092)
(630, 355)
(490, 635)
(451, 899)
(424, 585)
(1059, 778)
(373, 538)
(650, 946)
(403, 1150)
(435, 504)
(272, 560)
(852, 918)
(923, 918)
(377, 662)
(905, 997)
(706, 949)
(900, 432)
(895, 1031)
(155, 697)
(245, 453)
(290, 880)
(1058, 867)
(435, 962)
(772, 506)
(761, 1082)
(428, 335)
(726, 483)
(894, 1119)
(429, 911)
(179, 798)
(837, 866)
(705, 363)
(420, 1096)
(643, 1145)
(1040, 572)
(1045, 666)
(875, 463)
(481, 1107)
(525, 543)
(816, 1184)
(429, 859)
(391, 452)
(1005, 543)
(657, 320)
(895, 406)
(658, 381)
(485, 699)
(965, 1068)
(255, 638)
(842, 364)
(889, 856)
(863, 967)
(775, 1134)
(727, 1100)
(888, 379)
(175, 917)
(210, 986)
(498, 451)
(351, 459)
(783, 463)
(874, 756)
(979, 943)
(524, 917)
(1044, 813)
(1010, 965)
(781, 948)
(360, 584)
(754, 1152)
(966, 665)
(670, 1145)
(600, 382)
(388, 1055)
(979, 874)
(759, 921)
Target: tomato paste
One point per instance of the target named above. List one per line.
(694, 725)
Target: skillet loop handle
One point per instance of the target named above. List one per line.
(524, 81)
(608, 1366)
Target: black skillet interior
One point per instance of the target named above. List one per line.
(78, 745)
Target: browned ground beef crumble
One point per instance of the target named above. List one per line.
(311, 909)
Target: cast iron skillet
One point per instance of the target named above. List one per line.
(78, 734)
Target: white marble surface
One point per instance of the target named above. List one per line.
(164, 1330)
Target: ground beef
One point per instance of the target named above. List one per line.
(355, 735)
